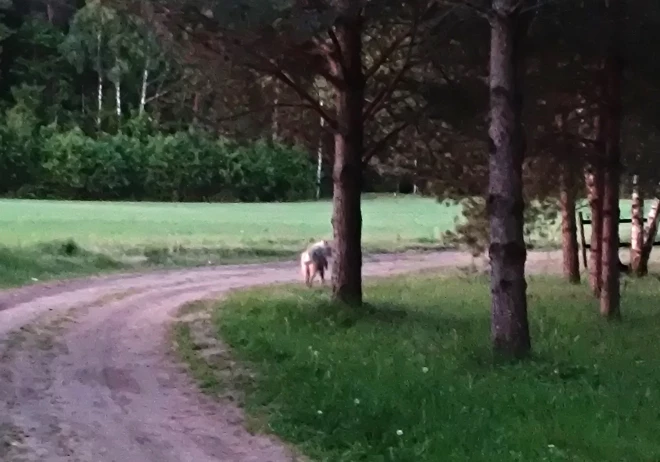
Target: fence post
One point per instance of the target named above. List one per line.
(583, 241)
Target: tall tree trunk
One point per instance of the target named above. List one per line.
(610, 295)
(144, 88)
(637, 232)
(567, 195)
(349, 147)
(650, 233)
(509, 324)
(594, 179)
(569, 241)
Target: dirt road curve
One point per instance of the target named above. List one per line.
(85, 373)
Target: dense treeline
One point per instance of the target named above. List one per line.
(184, 166)
(87, 117)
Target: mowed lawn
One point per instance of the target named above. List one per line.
(411, 377)
(388, 223)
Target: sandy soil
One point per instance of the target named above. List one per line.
(85, 373)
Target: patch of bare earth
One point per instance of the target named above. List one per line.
(85, 373)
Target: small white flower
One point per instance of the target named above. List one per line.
(399, 432)
(356, 401)
(34, 279)
(425, 369)
(319, 412)
(551, 446)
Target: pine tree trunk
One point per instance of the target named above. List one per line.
(637, 232)
(610, 295)
(347, 169)
(569, 246)
(509, 324)
(594, 180)
(650, 234)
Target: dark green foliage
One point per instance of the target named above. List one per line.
(185, 166)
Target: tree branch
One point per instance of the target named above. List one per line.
(385, 55)
(238, 115)
(379, 145)
(380, 98)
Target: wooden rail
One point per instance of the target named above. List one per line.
(585, 246)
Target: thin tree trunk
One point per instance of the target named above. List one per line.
(118, 100)
(195, 108)
(594, 180)
(275, 121)
(50, 12)
(100, 80)
(569, 247)
(567, 195)
(144, 88)
(650, 232)
(509, 324)
(637, 232)
(610, 295)
(347, 169)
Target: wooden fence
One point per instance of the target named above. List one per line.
(585, 246)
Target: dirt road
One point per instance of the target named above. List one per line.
(85, 373)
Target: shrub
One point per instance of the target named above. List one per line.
(141, 165)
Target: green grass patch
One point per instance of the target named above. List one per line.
(114, 236)
(132, 228)
(411, 377)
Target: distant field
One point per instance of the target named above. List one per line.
(52, 239)
(388, 223)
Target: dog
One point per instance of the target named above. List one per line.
(314, 261)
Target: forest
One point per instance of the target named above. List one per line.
(518, 110)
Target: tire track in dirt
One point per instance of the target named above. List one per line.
(95, 382)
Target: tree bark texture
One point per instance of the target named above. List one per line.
(567, 195)
(650, 233)
(347, 168)
(507, 252)
(610, 295)
(637, 231)
(569, 242)
(594, 180)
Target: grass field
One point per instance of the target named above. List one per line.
(49, 239)
(52, 239)
(411, 379)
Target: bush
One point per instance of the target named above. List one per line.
(142, 165)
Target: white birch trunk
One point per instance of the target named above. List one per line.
(637, 229)
(319, 161)
(143, 91)
(100, 80)
(650, 233)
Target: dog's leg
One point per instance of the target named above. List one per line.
(304, 271)
(314, 269)
(322, 274)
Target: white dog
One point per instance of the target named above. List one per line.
(315, 260)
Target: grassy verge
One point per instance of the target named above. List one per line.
(411, 378)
